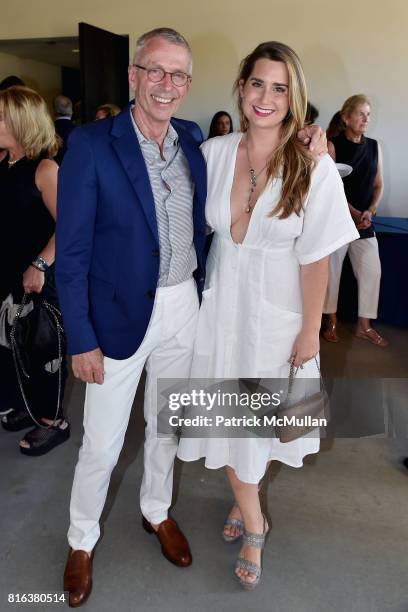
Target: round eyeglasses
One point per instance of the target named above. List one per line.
(155, 75)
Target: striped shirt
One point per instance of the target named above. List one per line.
(173, 191)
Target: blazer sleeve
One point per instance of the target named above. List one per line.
(76, 213)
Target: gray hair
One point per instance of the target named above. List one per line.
(62, 106)
(168, 34)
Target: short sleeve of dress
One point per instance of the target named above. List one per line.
(327, 222)
(206, 148)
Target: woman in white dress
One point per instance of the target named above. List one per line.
(276, 215)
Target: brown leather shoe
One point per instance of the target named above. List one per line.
(173, 542)
(329, 332)
(78, 577)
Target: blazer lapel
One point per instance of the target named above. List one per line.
(130, 155)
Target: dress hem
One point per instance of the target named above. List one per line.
(246, 480)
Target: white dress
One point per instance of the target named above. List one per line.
(251, 311)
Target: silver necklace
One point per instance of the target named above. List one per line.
(253, 177)
(14, 161)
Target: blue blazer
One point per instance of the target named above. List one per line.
(107, 244)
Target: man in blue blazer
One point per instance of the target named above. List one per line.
(129, 269)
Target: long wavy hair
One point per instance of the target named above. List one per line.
(291, 159)
(26, 115)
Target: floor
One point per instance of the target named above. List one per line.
(339, 532)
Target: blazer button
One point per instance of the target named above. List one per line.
(156, 253)
(151, 293)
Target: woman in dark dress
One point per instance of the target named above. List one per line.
(363, 188)
(28, 193)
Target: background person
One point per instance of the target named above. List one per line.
(106, 110)
(221, 124)
(336, 125)
(28, 193)
(312, 113)
(363, 188)
(63, 124)
(7, 82)
(10, 81)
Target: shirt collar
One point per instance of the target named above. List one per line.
(171, 138)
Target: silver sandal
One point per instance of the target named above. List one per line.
(232, 522)
(257, 540)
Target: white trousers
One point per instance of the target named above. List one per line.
(167, 352)
(365, 261)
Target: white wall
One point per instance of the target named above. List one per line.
(44, 78)
(346, 47)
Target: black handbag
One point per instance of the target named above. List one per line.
(37, 339)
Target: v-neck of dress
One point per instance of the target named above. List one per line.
(229, 218)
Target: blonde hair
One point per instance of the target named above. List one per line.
(291, 155)
(26, 116)
(352, 102)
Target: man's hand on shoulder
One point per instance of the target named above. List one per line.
(315, 137)
(88, 367)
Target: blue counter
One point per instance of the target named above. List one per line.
(392, 236)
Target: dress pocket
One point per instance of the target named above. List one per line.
(278, 329)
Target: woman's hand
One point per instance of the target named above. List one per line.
(33, 280)
(355, 214)
(305, 347)
(365, 220)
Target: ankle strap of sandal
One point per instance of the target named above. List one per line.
(257, 540)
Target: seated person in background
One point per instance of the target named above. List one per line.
(106, 110)
(335, 126)
(311, 114)
(221, 124)
(63, 124)
(363, 188)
